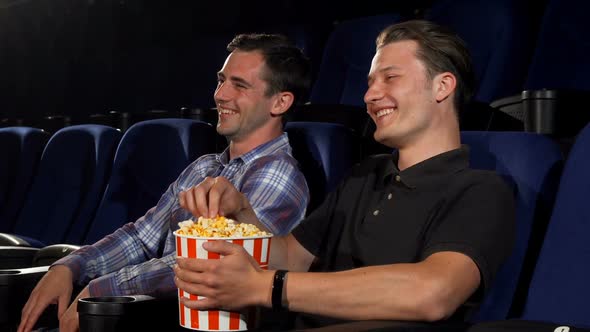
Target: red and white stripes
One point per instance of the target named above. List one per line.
(219, 320)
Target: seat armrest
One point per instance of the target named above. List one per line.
(554, 112)
(14, 240)
(129, 313)
(48, 255)
(393, 326)
(14, 257)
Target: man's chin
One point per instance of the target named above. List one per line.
(387, 141)
(224, 131)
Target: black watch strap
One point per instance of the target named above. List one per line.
(277, 290)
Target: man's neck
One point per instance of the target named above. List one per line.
(427, 147)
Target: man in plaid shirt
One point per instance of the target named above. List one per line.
(263, 76)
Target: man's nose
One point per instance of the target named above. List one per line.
(373, 93)
(221, 93)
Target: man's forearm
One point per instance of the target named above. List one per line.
(424, 291)
(247, 215)
(366, 293)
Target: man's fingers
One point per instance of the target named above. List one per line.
(69, 321)
(25, 314)
(32, 316)
(195, 264)
(223, 248)
(189, 198)
(193, 288)
(214, 200)
(182, 200)
(206, 199)
(201, 199)
(62, 305)
(202, 304)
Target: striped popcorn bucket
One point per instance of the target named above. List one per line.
(219, 320)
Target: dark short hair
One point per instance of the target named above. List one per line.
(439, 49)
(288, 68)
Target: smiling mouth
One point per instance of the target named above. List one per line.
(225, 111)
(384, 112)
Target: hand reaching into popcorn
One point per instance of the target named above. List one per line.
(217, 196)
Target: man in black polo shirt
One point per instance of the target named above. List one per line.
(409, 236)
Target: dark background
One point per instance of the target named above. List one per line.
(80, 57)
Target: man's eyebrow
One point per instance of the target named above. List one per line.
(235, 79)
(383, 70)
(240, 80)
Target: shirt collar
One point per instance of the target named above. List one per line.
(426, 171)
(279, 143)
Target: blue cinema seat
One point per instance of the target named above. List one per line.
(20, 149)
(150, 156)
(531, 165)
(325, 152)
(499, 37)
(557, 81)
(558, 293)
(337, 95)
(560, 60)
(342, 76)
(69, 184)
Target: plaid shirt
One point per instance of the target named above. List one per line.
(138, 257)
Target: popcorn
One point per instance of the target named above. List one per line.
(218, 227)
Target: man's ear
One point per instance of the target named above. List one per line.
(444, 84)
(281, 103)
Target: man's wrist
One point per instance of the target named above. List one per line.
(63, 270)
(242, 211)
(264, 293)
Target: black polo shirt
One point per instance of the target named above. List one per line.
(380, 215)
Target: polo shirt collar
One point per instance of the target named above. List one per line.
(270, 147)
(426, 171)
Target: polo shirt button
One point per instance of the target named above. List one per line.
(398, 178)
(376, 212)
(389, 196)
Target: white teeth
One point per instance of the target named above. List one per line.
(225, 111)
(384, 112)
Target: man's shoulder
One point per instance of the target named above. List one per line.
(201, 164)
(277, 157)
(488, 179)
(204, 160)
(377, 163)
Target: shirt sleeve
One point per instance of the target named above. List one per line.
(154, 277)
(479, 223)
(278, 193)
(130, 260)
(320, 232)
(131, 244)
(313, 232)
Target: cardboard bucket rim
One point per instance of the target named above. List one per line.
(222, 238)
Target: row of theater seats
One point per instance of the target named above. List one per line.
(543, 279)
(91, 179)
